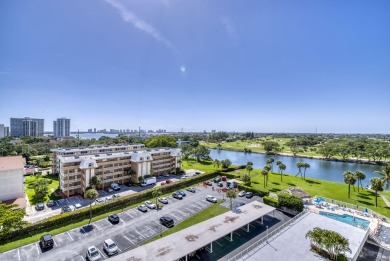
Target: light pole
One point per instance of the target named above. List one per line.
(267, 234)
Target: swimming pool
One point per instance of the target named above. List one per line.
(345, 218)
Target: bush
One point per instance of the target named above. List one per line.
(290, 201)
(271, 201)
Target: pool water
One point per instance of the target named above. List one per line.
(345, 218)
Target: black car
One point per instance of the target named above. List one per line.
(46, 241)
(177, 195)
(50, 203)
(167, 221)
(40, 206)
(217, 180)
(220, 184)
(66, 209)
(249, 195)
(129, 184)
(114, 218)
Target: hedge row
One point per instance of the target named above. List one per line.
(273, 202)
(82, 214)
(290, 201)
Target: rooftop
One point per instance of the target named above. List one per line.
(11, 162)
(186, 241)
(94, 147)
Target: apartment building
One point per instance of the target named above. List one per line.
(61, 128)
(4, 131)
(113, 165)
(11, 177)
(27, 127)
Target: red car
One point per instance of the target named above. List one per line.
(168, 181)
(208, 183)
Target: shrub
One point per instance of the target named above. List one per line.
(271, 201)
(290, 201)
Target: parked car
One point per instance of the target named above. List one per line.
(50, 203)
(182, 172)
(115, 186)
(208, 183)
(93, 254)
(110, 247)
(217, 180)
(100, 200)
(114, 218)
(249, 195)
(177, 195)
(168, 181)
(46, 241)
(150, 204)
(163, 200)
(181, 193)
(77, 206)
(129, 184)
(116, 196)
(142, 208)
(242, 193)
(184, 177)
(109, 198)
(109, 189)
(167, 221)
(220, 184)
(66, 209)
(211, 199)
(197, 173)
(191, 189)
(40, 206)
(166, 175)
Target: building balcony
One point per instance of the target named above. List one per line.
(66, 188)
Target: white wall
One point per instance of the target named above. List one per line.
(11, 184)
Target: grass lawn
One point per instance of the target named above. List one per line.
(210, 212)
(313, 187)
(29, 188)
(206, 166)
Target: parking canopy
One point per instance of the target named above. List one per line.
(186, 241)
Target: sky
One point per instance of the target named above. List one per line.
(253, 65)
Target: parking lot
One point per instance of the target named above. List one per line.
(134, 228)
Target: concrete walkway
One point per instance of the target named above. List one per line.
(385, 200)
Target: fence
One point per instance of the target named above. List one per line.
(255, 246)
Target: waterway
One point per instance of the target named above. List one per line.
(319, 169)
(94, 135)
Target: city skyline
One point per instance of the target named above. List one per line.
(256, 66)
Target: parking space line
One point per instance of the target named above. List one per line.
(82, 258)
(36, 244)
(218, 243)
(139, 233)
(69, 235)
(237, 233)
(128, 239)
(107, 221)
(54, 242)
(77, 198)
(18, 254)
(128, 214)
(252, 225)
(151, 230)
(83, 230)
(175, 216)
(57, 203)
(101, 253)
(67, 201)
(97, 226)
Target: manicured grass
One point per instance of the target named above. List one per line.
(210, 212)
(206, 166)
(313, 187)
(29, 188)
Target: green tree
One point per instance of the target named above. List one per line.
(201, 153)
(129, 172)
(217, 163)
(187, 150)
(327, 150)
(305, 166)
(270, 162)
(271, 147)
(156, 194)
(226, 163)
(281, 168)
(40, 187)
(161, 141)
(385, 172)
(10, 218)
(91, 194)
(359, 175)
(349, 178)
(95, 182)
(231, 194)
(246, 179)
(299, 166)
(249, 168)
(264, 172)
(377, 185)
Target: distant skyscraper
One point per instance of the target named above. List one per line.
(4, 131)
(61, 128)
(27, 127)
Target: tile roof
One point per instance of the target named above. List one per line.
(12, 162)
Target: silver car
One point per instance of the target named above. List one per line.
(110, 247)
(211, 199)
(150, 204)
(163, 200)
(93, 254)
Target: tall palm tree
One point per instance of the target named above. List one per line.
(281, 168)
(155, 194)
(91, 194)
(270, 162)
(95, 182)
(278, 162)
(300, 166)
(305, 166)
(129, 172)
(385, 172)
(359, 175)
(264, 172)
(349, 178)
(231, 194)
(217, 163)
(377, 185)
(249, 168)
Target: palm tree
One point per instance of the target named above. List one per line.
(281, 168)
(300, 166)
(359, 175)
(91, 194)
(278, 162)
(249, 168)
(95, 182)
(305, 166)
(385, 172)
(377, 185)
(264, 172)
(246, 178)
(267, 168)
(217, 163)
(155, 194)
(270, 162)
(129, 172)
(349, 178)
(231, 194)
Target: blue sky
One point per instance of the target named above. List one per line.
(266, 66)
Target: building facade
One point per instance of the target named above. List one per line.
(27, 127)
(112, 164)
(4, 131)
(61, 128)
(11, 177)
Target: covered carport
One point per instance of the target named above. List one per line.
(182, 243)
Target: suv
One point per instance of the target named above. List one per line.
(93, 254)
(40, 206)
(181, 193)
(110, 247)
(115, 186)
(46, 241)
(211, 199)
(177, 195)
(50, 203)
(167, 221)
(114, 218)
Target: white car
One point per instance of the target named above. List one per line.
(150, 204)
(110, 247)
(166, 175)
(211, 199)
(93, 254)
(78, 205)
(242, 193)
(163, 200)
(109, 198)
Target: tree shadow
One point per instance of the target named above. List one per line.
(312, 182)
(365, 202)
(274, 190)
(363, 196)
(276, 183)
(291, 184)
(255, 182)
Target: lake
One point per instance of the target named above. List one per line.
(94, 135)
(319, 169)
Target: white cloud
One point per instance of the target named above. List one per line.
(230, 28)
(129, 17)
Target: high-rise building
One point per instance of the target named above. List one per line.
(4, 131)
(27, 127)
(61, 127)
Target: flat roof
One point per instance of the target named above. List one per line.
(12, 162)
(188, 240)
(94, 147)
(292, 244)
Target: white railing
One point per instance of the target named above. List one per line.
(256, 246)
